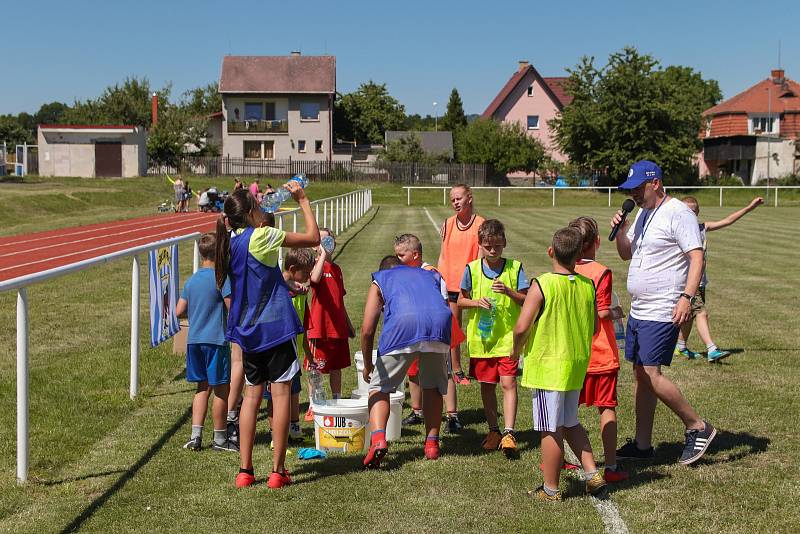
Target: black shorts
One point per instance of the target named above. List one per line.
(276, 364)
(452, 296)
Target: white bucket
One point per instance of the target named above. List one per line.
(363, 387)
(394, 424)
(340, 425)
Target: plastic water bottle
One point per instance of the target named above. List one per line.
(619, 327)
(486, 320)
(273, 201)
(317, 387)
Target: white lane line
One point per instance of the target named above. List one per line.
(436, 226)
(609, 514)
(104, 228)
(150, 236)
(101, 236)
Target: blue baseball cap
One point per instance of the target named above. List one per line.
(640, 172)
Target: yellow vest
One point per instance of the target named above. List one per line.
(560, 343)
(500, 342)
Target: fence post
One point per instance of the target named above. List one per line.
(776, 196)
(498, 197)
(554, 197)
(444, 196)
(408, 196)
(336, 218)
(720, 196)
(280, 250)
(324, 213)
(196, 256)
(609, 197)
(294, 221)
(22, 385)
(134, 328)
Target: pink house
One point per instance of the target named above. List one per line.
(532, 101)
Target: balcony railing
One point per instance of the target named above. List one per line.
(259, 126)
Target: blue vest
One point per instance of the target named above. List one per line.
(413, 309)
(261, 315)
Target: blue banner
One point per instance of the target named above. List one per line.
(164, 285)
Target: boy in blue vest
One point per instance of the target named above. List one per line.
(208, 358)
(493, 289)
(560, 315)
(417, 324)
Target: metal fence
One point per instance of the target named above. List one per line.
(771, 193)
(474, 174)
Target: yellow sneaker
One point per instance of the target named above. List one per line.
(508, 444)
(492, 441)
(597, 486)
(541, 495)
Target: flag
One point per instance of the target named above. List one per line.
(163, 269)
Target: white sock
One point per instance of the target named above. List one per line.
(197, 431)
(711, 346)
(681, 344)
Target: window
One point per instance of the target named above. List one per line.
(252, 112)
(301, 145)
(269, 111)
(533, 122)
(252, 149)
(530, 90)
(318, 146)
(309, 111)
(763, 124)
(259, 149)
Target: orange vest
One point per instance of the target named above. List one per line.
(459, 247)
(605, 353)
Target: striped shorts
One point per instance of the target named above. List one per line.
(554, 409)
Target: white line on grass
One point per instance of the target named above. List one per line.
(609, 514)
(608, 511)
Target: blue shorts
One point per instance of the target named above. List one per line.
(208, 363)
(295, 387)
(650, 343)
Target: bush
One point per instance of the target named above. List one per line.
(726, 180)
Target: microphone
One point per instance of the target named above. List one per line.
(627, 207)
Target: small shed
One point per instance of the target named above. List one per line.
(92, 150)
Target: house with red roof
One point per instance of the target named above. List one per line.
(754, 135)
(531, 100)
(278, 107)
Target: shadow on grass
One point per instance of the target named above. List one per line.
(77, 479)
(340, 250)
(95, 505)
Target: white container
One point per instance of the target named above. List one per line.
(340, 425)
(394, 425)
(363, 387)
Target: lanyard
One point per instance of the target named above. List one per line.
(649, 219)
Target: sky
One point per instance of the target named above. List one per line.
(63, 51)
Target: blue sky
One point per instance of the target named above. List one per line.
(56, 50)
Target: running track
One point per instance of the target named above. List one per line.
(31, 253)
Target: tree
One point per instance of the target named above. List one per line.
(13, 133)
(126, 104)
(506, 147)
(418, 123)
(51, 113)
(203, 101)
(632, 109)
(365, 114)
(178, 127)
(454, 118)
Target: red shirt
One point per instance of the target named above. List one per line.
(327, 315)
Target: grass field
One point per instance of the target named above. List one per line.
(102, 463)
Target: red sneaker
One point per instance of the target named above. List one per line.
(245, 479)
(309, 414)
(375, 454)
(278, 480)
(565, 465)
(616, 475)
(432, 450)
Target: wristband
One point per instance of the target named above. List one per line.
(687, 296)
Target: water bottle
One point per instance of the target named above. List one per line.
(273, 201)
(486, 320)
(619, 327)
(317, 386)
(328, 243)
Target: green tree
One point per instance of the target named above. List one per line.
(365, 114)
(505, 146)
(633, 109)
(178, 129)
(203, 101)
(454, 119)
(14, 133)
(129, 103)
(418, 123)
(51, 113)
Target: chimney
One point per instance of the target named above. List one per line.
(777, 75)
(155, 109)
(295, 53)
(523, 65)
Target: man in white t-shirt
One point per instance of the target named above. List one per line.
(666, 253)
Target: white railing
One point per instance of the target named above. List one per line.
(767, 190)
(341, 211)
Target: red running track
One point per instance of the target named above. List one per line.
(31, 253)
